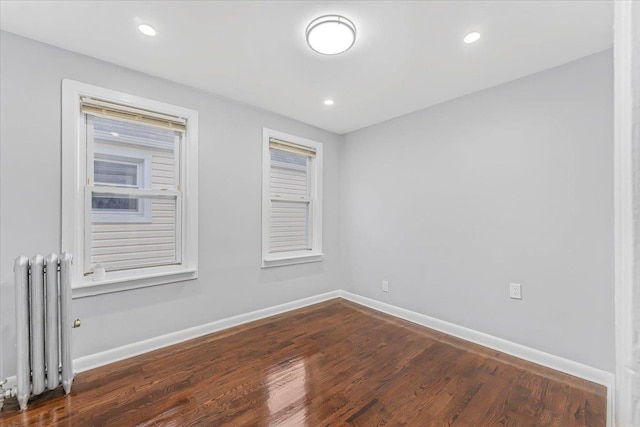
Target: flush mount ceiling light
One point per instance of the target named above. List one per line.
(331, 34)
(147, 30)
(472, 37)
(328, 101)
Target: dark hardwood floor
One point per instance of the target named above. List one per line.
(334, 363)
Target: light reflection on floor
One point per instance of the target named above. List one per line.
(286, 385)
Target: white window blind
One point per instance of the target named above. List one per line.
(290, 227)
(112, 110)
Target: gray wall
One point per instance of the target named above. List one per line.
(511, 184)
(231, 280)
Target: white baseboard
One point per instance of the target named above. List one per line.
(518, 350)
(92, 361)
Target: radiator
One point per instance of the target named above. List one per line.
(43, 322)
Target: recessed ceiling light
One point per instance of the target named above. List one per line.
(472, 37)
(147, 30)
(328, 101)
(331, 34)
(116, 134)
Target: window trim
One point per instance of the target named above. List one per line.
(74, 159)
(292, 257)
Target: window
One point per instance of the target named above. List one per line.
(129, 189)
(291, 200)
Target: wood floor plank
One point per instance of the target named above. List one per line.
(334, 363)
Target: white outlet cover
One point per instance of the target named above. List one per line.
(385, 286)
(515, 290)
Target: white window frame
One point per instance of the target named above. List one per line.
(74, 195)
(276, 259)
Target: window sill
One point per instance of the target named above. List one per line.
(291, 259)
(123, 281)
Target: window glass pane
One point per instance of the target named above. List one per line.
(115, 173)
(117, 204)
(287, 160)
(122, 245)
(289, 226)
(133, 133)
(288, 175)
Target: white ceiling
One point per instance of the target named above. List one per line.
(407, 56)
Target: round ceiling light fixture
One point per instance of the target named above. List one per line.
(329, 101)
(331, 34)
(472, 37)
(147, 30)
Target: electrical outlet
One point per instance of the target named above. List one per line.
(515, 290)
(385, 286)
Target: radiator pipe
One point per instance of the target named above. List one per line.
(21, 271)
(52, 345)
(36, 296)
(65, 320)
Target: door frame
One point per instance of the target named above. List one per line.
(624, 407)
